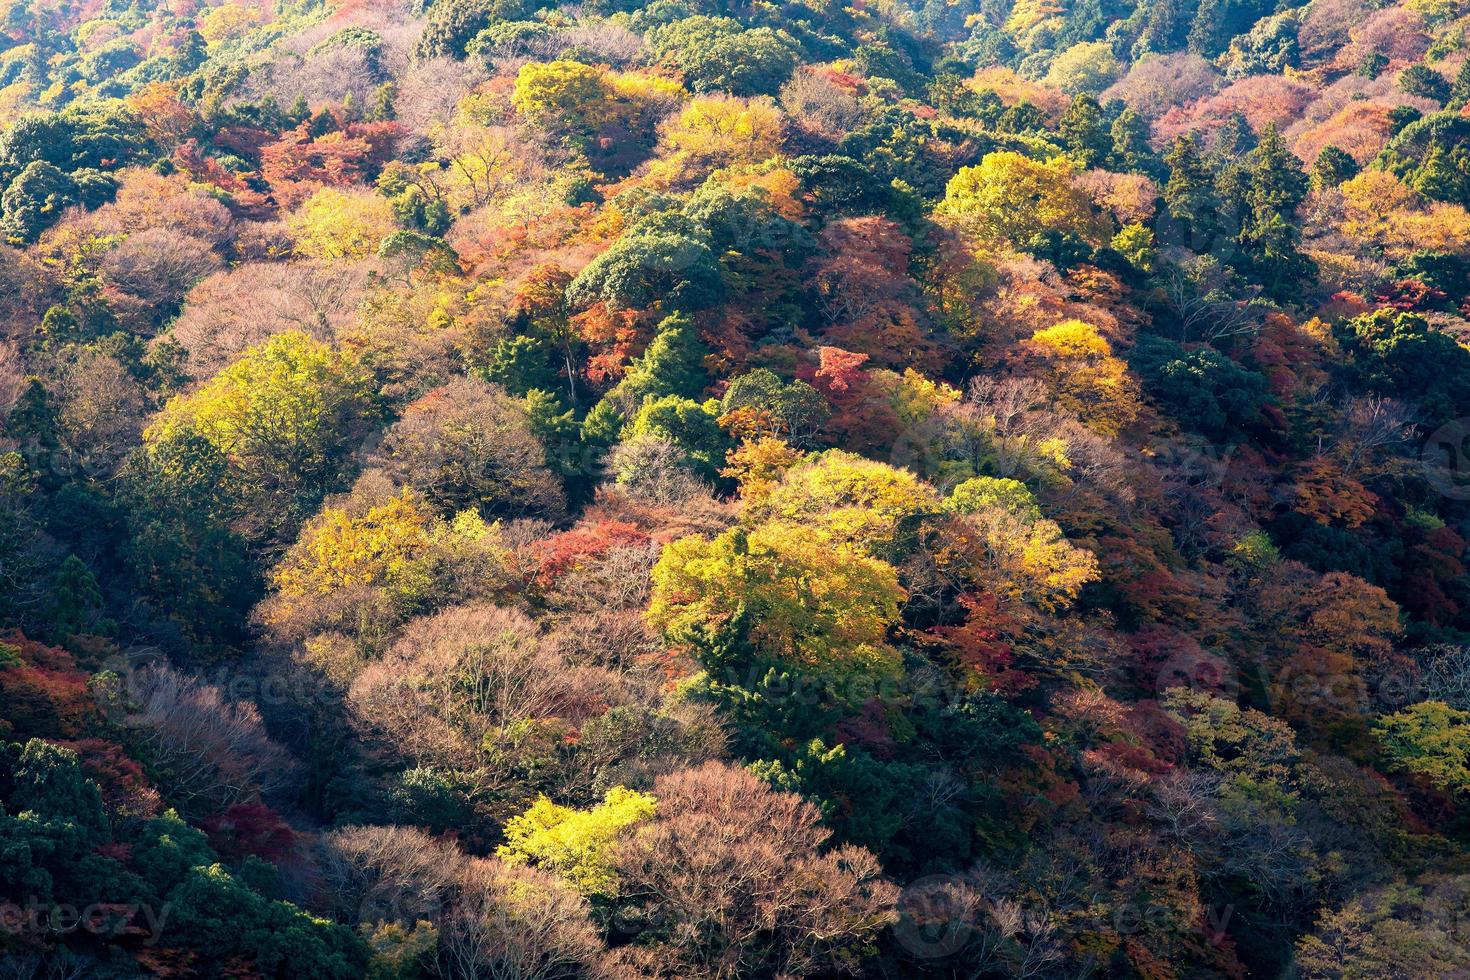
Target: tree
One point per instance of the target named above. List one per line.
(1397, 928)
(1189, 195)
(1269, 234)
(720, 131)
(159, 266)
(470, 445)
(34, 200)
(1087, 67)
(494, 918)
(729, 879)
(1400, 354)
(1013, 198)
(1130, 147)
(1084, 132)
(452, 24)
(281, 419)
(985, 492)
(478, 692)
(561, 95)
(1429, 740)
(1333, 167)
(760, 403)
(209, 753)
(1426, 83)
(803, 600)
(1091, 381)
(652, 263)
(575, 844)
(687, 424)
(381, 560)
(76, 600)
(338, 224)
(718, 55)
(853, 502)
(1203, 389)
(672, 364)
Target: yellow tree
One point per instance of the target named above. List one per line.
(853, 501)
(341, 224)
(804, 598)
(1088, 378)
(575, 843)
(719, 131)
(282, 419)
(561, 94)
(1009, 197)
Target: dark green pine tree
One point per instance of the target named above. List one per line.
(1190, 214)
(1426, 83)
(1460, 90)
(189, 55)
(76, 601)
(1235, 138)
(1084, 132)
(1164, 30)
(1333, 166)
(1444, 175)
(673, 364)
(1131, 150)
(1269, 236)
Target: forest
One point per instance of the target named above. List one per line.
(718, 489)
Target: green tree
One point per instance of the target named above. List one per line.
(34, 201)
(673, 363)
(654, 262)
(1460, 90)
(1426, 83)
(718, 55)
(1085, 133)
(1402, 355)
(1269, 235)
(76, 601)
(1130, 146)
(1333, 166)
(760, 403)
(691, 426)
(1189, 197)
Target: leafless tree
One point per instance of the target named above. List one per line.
(237, 309)
(1157, 83)
(1444, 675)
(430, 90)
(1200, 292)
(210, 752)
(657, 470)
(12, 377)
(100, 408)
(455, 676)
(159, 265)
(821, 105)
(733, 875)
(513, 922)
(1373, 428)
(495, 919)
(470, 445)
(388, 874)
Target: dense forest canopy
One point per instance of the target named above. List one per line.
(720, 489)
